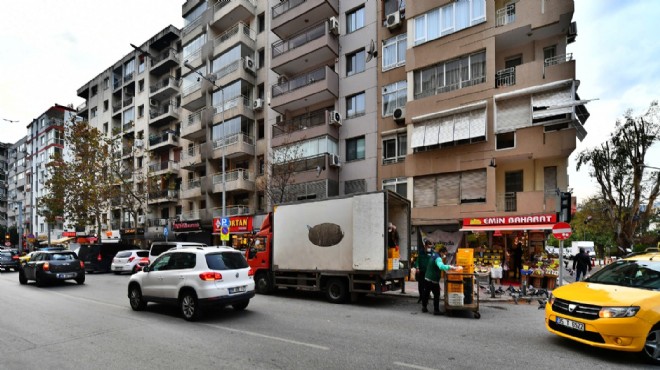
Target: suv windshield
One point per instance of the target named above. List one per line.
(226, 261)
(643, 274)
(158, 249)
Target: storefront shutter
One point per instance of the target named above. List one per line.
(417, 139)
(473, 185)
(478, 123)
(513, 114)
(448, 188)
(424, 191)
(461, 126)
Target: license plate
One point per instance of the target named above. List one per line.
(66, 276)
(570, 324)
(239, 289)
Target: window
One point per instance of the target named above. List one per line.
(106, 105)
(394, 148)
(193, 49)
(394, 96)
(450, 188)
(141, 63)
(549, 54)
(355, 186)
(261, 23)
(141, 111)
(451, 75)
(394, 52)
(355, 62)
(354, 19)
(355, 105)
(106, 83)
(129, 116)
(261, 129)
(93, 112)
(261, 58)
(355, 148)
(141, 85)
(506, 140)
(448, 19)
(398, 185)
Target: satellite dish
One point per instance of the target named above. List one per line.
(372, 52)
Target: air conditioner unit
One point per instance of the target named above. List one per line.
(140, 219)
(162, 222)
(399, 115)
(335, 118)
(153, 102)
(139, 143)
(572, 33)
(249, 65)
(334, 160)
(334, 25)
(393, 20)
(258, 104)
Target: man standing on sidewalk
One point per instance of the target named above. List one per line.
(581, 264)
(422, 262)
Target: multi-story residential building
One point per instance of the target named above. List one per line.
(4, 167)
(491, 115)
(135, 102)
(16, 188)
(45, 138)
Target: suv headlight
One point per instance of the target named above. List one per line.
(610, 312)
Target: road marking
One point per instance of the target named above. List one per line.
(413, 366)
(268, 337)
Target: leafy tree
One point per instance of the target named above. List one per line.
(51, 204)
(129, 187)
(627, 187)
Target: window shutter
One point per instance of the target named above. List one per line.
(548, 99)
(477, 123)
(461, 126)
(431, 134)
(417, 139)
(513, 114)
(424, 191)
(473, 185)
(446, 132)
(448, 189)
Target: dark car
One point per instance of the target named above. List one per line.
(49, 266)
(9, 259)
(98, 257)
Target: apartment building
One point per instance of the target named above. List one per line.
(136, 103)
(491, 115)
(16, 194)
(4, 168)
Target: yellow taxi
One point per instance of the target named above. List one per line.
(617, 308)
(25, 258)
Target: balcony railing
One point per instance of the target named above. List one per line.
(193, 184)
(507, 201)
(157, 139)
(558, 59)
(505, 77)
(231, 211)
(285, 6)
(231, 104)
(159, 194)
(234, 175)
(300, 123)
(164, 165)
(281, 47)
(191, 89)
(193, 118)
(170, 81)
(191, 26)
(190, 215)
(505, 15)
(299, 82)
(169, 53)
(232, 32)
(233, 139)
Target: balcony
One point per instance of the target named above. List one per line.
(164, 62)
(234, 146)
(193, 127)
(535, 73)
(163, 196)
(240, 179)
(505, 77)
(189, 215)
(526, 202)
(163, 115)
(239, 33)
(296, 129)
(82, 110)
(191, 158)
(226, 13)
(163, 168)
(290, 16)
(191, 189)
(231, 211)
(298, 53)
(233, 71)
(128, 127)
(165, 140)
(192, 97)
(305, 90)
(505, 15)
(238, 106)
(164, 88)
(193, 29)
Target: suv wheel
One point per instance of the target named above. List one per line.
(80, 280)
(652, 346)
(189, 306)
(240, 306)
(39, 281)
(21, 277)
(135, 298)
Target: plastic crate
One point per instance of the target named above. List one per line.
(455, 299)
(455, 286)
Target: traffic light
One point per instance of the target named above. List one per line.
(565, 206)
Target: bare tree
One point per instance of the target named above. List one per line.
(626, 183)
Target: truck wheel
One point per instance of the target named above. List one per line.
(336, 291)
(263, 283)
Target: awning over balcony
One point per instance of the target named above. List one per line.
(462, 123)
(508, 227)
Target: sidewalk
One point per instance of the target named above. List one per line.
(484, 297)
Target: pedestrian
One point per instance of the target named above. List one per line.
(517, 261)
(432, 279)
(421, 263)
(581, 264)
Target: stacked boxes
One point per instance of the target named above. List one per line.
(455, 299)
(465, 259)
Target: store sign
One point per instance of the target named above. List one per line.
(186, 226)
(69, 234)
(240, 224)
(511, 220)
(132, 231)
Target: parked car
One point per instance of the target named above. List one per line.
(194, 278)
(144, 261)
(9, 259)
(616, 308)
(127, 261)
(98, 257)
(26, 258)
(48, 266)
(159, 247)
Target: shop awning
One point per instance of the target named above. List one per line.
(507, 227)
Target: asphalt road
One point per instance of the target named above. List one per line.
(92, 326)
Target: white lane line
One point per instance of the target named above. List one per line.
(413, 366)
(268, 337)
(113, 305)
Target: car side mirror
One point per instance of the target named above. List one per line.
(145, 268)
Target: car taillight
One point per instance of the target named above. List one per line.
(250, 272)
(14, 257)
(130, 259)
(99, 258)
(82, 265)
(45, 266)
(210, 276)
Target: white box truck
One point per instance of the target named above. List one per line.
(337, 245)
(587, 245)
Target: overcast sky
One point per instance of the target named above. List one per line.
(51, 48)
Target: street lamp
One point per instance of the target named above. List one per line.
(224, 139)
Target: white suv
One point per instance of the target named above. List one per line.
(194, 278)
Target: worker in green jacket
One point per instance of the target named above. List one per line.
(432, 279)
(421, 263)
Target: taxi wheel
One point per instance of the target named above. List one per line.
(651, 350)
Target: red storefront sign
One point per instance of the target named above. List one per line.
(550, 218)
(237, 224)
(69, 234)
